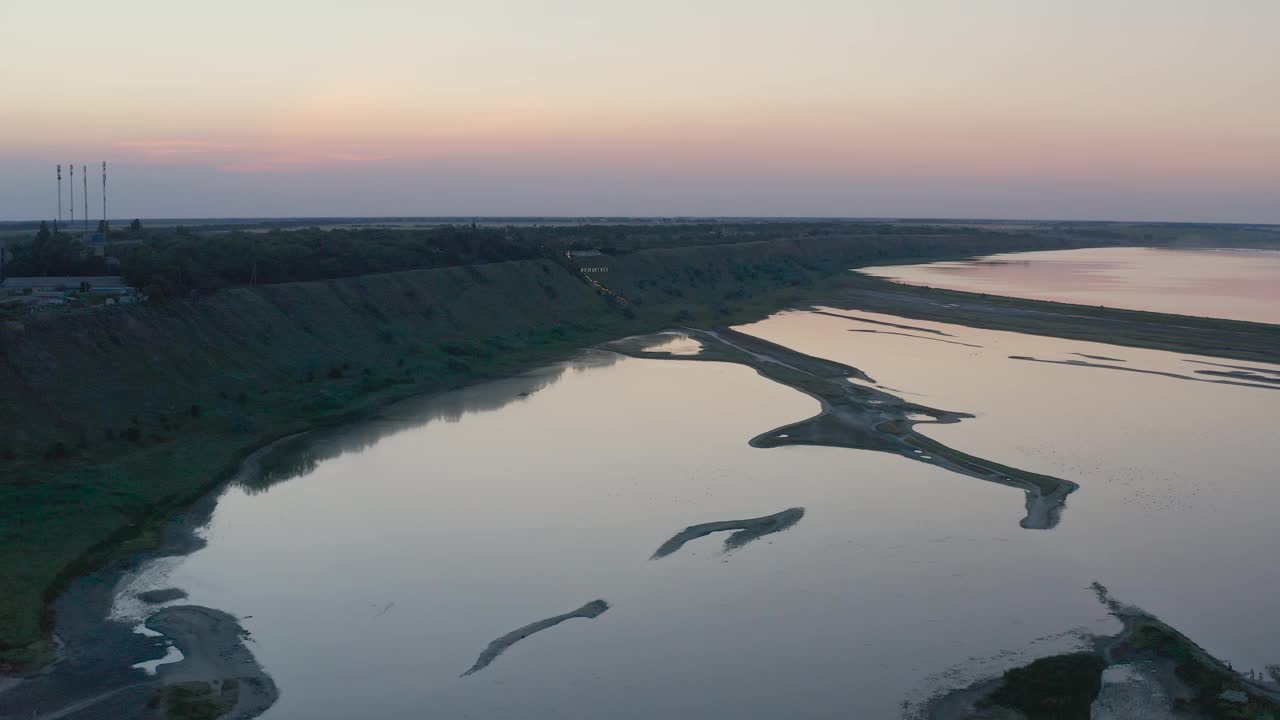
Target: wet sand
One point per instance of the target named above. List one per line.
(214, 652)
(159, 597)
(918, 337)
(1240, 375)
(1175, 376)
(886, 324)
(1141, 678)
(1229, 339)
(94, 678)
(1099, 357)
(593, 609)
(859, 417)
(747, 531)
(1246, 368)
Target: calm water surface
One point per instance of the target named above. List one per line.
(1226, 283)
(373, 578)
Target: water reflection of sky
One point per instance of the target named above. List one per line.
(1236, 284)
(375, 576)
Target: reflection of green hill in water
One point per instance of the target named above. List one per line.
(300, 455)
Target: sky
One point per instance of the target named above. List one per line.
(1095, 109)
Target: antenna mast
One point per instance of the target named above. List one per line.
(105, 227)
(55, 225)
(84, 178)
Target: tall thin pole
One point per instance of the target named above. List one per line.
(72, 224)
(105, 228)
(84, 178)
(55, 225)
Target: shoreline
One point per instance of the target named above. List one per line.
(102, 682)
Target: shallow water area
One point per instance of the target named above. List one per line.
(375, 567)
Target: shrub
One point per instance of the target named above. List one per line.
(56, 451)
(1061, 686)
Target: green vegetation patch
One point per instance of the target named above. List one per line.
(1061, 687)
(197, 700)
(1219, 693)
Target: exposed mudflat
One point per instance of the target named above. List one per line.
(99, 673)
(1099, 357)
(1146, 668)
(1241, 375)
(747, 531)
(593, 609)
(1246, 368)
(1175, 376)
(918, 337)
(214, 652)
(899, 326)
(1132, 691)
(1230, 339)
(860, 417)
(159, 597)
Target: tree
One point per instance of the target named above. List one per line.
(135, 227)
(44, 234)
(102, 226)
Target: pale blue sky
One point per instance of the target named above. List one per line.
(1136, 109)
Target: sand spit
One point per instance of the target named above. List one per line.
(748, 530)
(918, 337)
(860, 417)
(1227, 339)
(214, 653)
(216, 677)
(1240, 375)
(593, 609)
(881, 322)
(95, 677)
(160, 597)
(1098, 357)
(1147, 671)
(1246, 368)
(1176, 376)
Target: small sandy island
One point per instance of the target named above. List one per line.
(1148, 671)
(593, 609)
(216, 677)
(857, 416)
(747, 531)
(217, 670)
